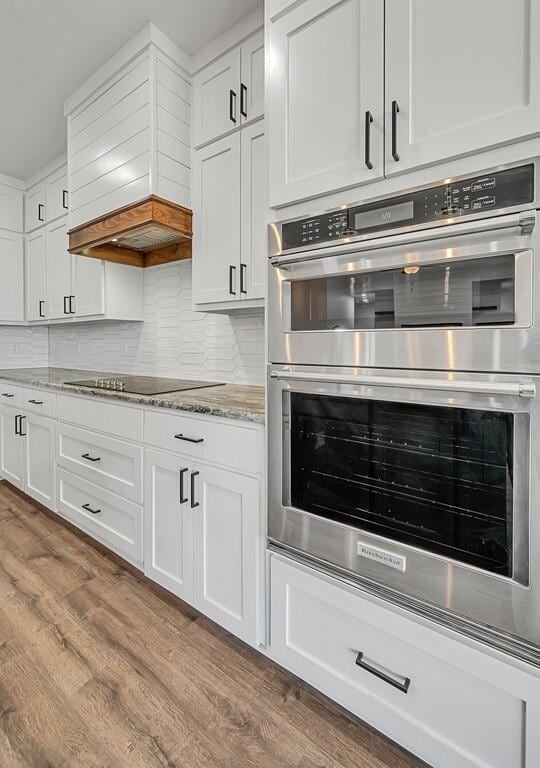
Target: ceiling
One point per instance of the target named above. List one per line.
(49, 47)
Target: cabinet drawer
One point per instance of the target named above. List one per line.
(10, 395)
(115, 522)
(320, 627)
(40, 401)
(214, 441)
(112, 464)
(105, 417)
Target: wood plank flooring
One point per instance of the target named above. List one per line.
(97, 670)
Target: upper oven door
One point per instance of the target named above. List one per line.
(465, 301)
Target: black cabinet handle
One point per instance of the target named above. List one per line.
(71, 300)
(232, 106)
(17, 425)
(367, 138)
(395, 111)
(243, 273)
(401, 686)
(243, 99)
(232, 276)
(42, 309)
(65, 199)
(40, 212)
(21, 433)
(183, 498)
(66, 305)
(180, 436)
(89, 509)
(90, 458)
(7, 394)
(193, 502)
(36, 402)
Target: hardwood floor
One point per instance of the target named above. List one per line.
(98, 671)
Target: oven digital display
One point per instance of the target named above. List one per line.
(385, 215)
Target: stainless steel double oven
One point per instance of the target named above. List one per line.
(404, 410)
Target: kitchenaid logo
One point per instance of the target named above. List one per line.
(382, 556)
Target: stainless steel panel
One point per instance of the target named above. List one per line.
(510, 605)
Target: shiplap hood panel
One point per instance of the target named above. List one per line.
(129, 155)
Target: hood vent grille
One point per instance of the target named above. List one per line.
(153, 231)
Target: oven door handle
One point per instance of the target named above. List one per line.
(525, 222)
(514, 388)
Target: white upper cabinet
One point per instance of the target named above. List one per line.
(252, 78)
(60, 296)
(11, 277)
(36, 276)
(229, 91)
(216, 98)
(89, 281)
(465, 76)
(325, 98)
(34, 208)
(216, 236)
(56, 194)
(253, 196)
(11, 206)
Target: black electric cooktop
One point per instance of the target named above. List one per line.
(143, 385)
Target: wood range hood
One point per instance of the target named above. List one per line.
(152, 231)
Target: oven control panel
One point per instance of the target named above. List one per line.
(488, 192)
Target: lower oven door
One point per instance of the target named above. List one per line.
(420, 482)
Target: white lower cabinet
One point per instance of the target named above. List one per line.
(11, 449)
(202, 538)
(168, 524)
(451, 704)
(38, 433)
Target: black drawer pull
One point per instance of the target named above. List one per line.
(66, 305)
(232, 106)
(395, 111)
(88, 508)
(42, 308)
(243, 100)
(243, 274)
(17, 425)
(65, 199)
(7, 394)
(367, 138)
(402, 685)
(193, 502)
(180, 436)
(232, 275)
(71, 300)
(90, 458)
(36, 402)
(40, 212)
(183, 498)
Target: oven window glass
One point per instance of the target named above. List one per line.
(466, 293)
(434, 477)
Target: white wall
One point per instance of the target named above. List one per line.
(23, 347)
(173, 341)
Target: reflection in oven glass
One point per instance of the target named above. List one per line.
(435, 477)
(467, 293)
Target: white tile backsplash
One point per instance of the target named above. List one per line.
(172, 341)
(23, 347)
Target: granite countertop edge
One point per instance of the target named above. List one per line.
(190, 401)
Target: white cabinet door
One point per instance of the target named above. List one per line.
(89, 286)
(36, 276)
(56, 195)
(227, 527)
(464, 76)
(325, 97)
(168, 523)
(11, 277)
(216, 99)
(60, 298)
(254, 249)
(34, 208)
(252, 85)
(11, 208)
(216, 241)
(39, 459)
(12, 447)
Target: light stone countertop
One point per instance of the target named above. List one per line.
(231, 401)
